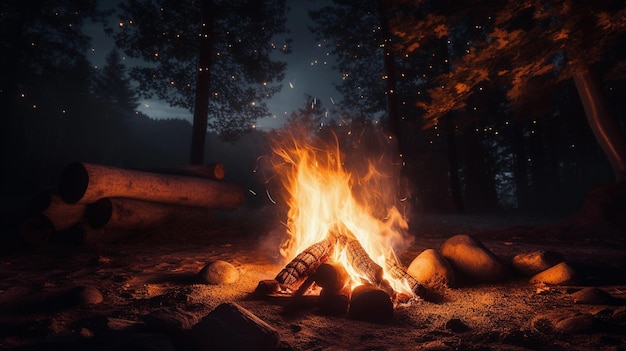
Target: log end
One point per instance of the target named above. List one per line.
(99, 213)
(73, 182)
(368, 303)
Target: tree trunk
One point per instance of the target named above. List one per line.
(453, 164)
(390, 83)
(203, 84)
(604, 126)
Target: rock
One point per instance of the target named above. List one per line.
(560, 274)
(431, 266)
(87, 295)
(231, 327)
(457, 326)
(531, 263)
(218, 272)
(593, 296)
(563, 323)
(577, 324)
(472, 259)
(170, 320)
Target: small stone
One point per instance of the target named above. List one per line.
(593, 296)
(86, 333)
(87, 295)
(457, 326)
(218, 272)
(531, 263)
(431, 266)
(560, 274)
(472, 259)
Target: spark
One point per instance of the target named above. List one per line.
(252, 192)
(269, 196)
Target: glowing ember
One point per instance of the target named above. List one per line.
(333, 191)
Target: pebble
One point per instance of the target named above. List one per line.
(457, 326)
(534, 262)
(218, 272)
(472, 259)
(429, 266)
(560, 274)
(87, 295)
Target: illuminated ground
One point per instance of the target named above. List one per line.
(154, 270)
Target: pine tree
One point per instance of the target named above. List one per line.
(113, 85)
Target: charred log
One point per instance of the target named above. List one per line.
(370, 304)
(398, 272)
(306, 263)
(362, 263)
(332, 276)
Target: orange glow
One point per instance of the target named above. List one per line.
(342, 192)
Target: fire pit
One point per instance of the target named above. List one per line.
(335, 265)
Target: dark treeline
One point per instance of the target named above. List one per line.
(485, 97)
(476, 134)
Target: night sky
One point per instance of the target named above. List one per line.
(309, 70)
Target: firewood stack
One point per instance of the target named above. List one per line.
(312, 268)
(98, 196)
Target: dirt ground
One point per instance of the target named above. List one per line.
(143, 273)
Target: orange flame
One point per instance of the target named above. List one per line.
(330, 189)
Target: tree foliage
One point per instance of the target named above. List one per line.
(244, 71)
(526, 47)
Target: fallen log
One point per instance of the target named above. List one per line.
(60, 214)
(306, 263)
(210, 171)
(86, 183)
(122, 213)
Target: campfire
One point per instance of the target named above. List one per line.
(344, 224)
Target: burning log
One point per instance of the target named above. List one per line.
(121, 213)
(210, 171)
(306, 263)
(398, 272)
(334, 303)
(332, 276)
(371, 304)
(362, 263)
(86, 183)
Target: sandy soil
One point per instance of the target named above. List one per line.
(141, 273)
